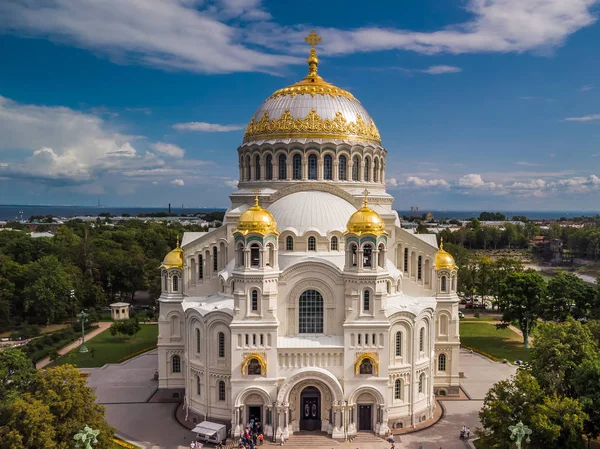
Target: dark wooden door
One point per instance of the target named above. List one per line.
(365, 417)
(310, 418)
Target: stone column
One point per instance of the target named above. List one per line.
(289, 168)
(304, 167)
(263, 170)
(361, 171)
(336, 170)
(359, 255)
(275, 170)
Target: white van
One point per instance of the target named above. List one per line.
(210, 432)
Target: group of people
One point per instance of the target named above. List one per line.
(465, 432)
(252, 436)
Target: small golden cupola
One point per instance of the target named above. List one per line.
(174, 259)
(257, 220)
(366, 221)
(443, 259)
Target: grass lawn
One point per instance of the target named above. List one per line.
(500, 343)
(109, 349)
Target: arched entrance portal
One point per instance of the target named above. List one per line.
(310, 411)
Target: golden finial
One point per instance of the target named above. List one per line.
(442, 243)
(256, 193)
(312, 39)
(177, 240)
(366, 194)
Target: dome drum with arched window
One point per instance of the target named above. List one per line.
(172, 271)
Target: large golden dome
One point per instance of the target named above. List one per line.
(366, 221)
(312, 108)
(443, 259)
(174, 258)
(256, 219)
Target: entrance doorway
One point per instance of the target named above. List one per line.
(254, 413)
(310, 413)
(365, 417)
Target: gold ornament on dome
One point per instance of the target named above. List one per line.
(312, 125)
(443, 259)
(366, 221)
(257, 220)
(174, 259)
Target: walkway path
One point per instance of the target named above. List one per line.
(102, 326)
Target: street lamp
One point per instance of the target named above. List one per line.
(82, 317)
(518, 432)
(72, 305)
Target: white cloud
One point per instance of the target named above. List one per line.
(231, 183)
(169, 149)
(420, 182)
(207, 127)
(145, 111)
(529, 164)
(225, 36)
(178, 182)
(587, 87)
(585, 118)
(441, 69)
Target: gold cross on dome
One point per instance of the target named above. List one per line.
(313, 38)
(256, 193)
(365, 193)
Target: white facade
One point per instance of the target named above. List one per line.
(305, 331)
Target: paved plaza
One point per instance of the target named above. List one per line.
(128, 390)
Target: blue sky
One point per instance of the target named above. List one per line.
(481, 104)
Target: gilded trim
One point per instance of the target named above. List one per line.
(373, 356)
(260, 356)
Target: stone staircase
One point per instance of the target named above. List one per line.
(309, 440)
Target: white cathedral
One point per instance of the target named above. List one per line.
(310, 308)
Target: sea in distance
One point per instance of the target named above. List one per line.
(18, 212)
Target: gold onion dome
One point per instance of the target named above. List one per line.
(174, 259)
(312, 108)
(365, 221)
(258, 220)
(443, 259)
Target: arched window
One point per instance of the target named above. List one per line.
(442, 362)
(422, 383)
(165, 282)
(289, 243)
(282, 167)
(221, 390)
(367, 256)
(198, 341)
(334, 243)
(328, 167)
(420, 268)
(297, 166)
(422, 339)
(366, 301)
(367, 171)
(254, 368)
(240, 255)
(310, 313)
(353, 254)
(381, 255)
(200, 267)
(248, 171)
(312, 166)
(406, 260)
(269, 168)
(366, 366)
(398, 389)
(221, 339)
(443, 283)
(215, 260)
(376, 170)
(198, 387)
(254, 300)
(342, 168)
(257, 167)
(398, 344)
(443, 325)
(175, 283)
(176, 364)
(355, 168)
(312, 244)
(254, 255)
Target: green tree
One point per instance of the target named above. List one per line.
(16, 371)
(559, 349)
(508, 402)
(520, 296)
(587, 389)
(72, 404)
(567, 296)
(558, 423)
(422, 229)
(27, 424)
